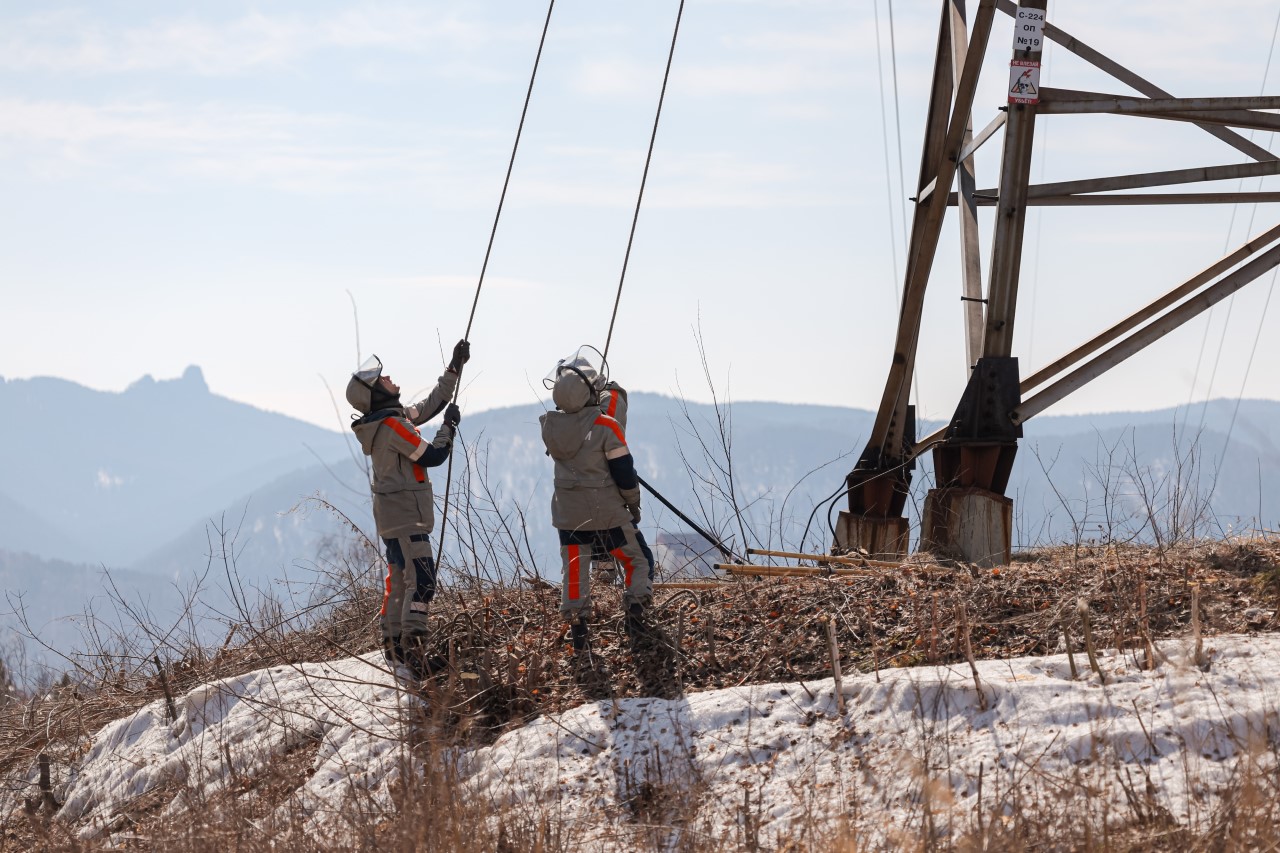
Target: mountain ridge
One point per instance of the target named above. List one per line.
(788, 459)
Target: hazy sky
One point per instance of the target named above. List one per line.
(216, 183)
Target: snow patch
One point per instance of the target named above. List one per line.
(765, 759)
(236, 727)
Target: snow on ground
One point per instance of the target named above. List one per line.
(764, 760)
(235, 728)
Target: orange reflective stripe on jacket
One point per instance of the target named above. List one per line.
(410, 436)
(605, 420)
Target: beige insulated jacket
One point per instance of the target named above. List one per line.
(586, 496)
(402, 500)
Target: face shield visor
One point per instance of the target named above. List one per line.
(583, 362)
(369, 371)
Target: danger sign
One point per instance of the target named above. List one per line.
(1024, 82)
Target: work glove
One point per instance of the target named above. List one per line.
(634, 509)
(461, 355)
(452, 415)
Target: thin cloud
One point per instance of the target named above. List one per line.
(458, 282)
(627, 78)
(842, 41)
(69, 43)
(230, 144)
(682, 180)
(154, 123)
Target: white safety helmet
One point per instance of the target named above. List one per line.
(582, 362)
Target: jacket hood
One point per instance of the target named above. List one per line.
(564, 433)
(365, 398)
(571, 392)
(359, 395)
(365, 428)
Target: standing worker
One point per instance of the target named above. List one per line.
(402, 502)
(596, 503)
(613, 402)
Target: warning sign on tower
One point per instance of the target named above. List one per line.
(1024, 82)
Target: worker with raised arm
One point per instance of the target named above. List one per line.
(596, 502)
(613, 402)
(402, 501)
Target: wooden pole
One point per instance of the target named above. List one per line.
(793, 571)
(48, 802)
(834, 649)
(963, 616)
(843, 559)
(1082, 608)
(709, 628)
(1066, 641)
(1200, 659)
(171, 711)
(933, 629)
(1149, 658)
(846, 560)
(716, 584)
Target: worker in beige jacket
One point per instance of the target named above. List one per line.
(403, 506)
(613, 402)
(596, 502)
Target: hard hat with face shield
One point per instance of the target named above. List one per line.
(363, 388)
(575, 381)
(582, 362)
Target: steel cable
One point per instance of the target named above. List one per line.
(444, 515)
(644, 178)
(1266, 73)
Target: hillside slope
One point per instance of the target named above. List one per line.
(109, 467)
(747, 742)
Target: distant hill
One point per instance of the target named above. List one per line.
(273, 532)
(1112, 476)
(54, 595)
(142, 481)
(23, 529)
(111, 474)
(789, 458)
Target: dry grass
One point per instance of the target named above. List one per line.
(742, 632)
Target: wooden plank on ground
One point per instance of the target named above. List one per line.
(845, 559)
(792, 571)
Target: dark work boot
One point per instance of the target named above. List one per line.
(580, 636)
(589, 669)
(635, 619)
(391, 651)
(637, 628)
(421, 664)
(653, 655)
